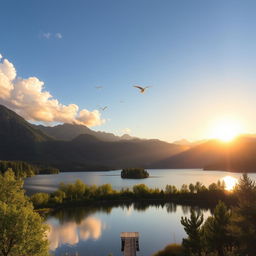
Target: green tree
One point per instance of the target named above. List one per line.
(192, 226)
(40, 199)
(244, 217)
(140, 189)
(22, 230)
(216, 230)
(169, 189)
(184, 188)
(191, 188)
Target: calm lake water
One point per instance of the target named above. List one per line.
(97, 232)
(157, 179)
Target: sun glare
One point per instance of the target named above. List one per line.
(226, 130)
(230, 182)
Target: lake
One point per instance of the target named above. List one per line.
(158, 179)
(96, 232)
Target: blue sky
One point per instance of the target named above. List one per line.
(198, 56)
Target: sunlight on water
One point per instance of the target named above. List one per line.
(230, 182)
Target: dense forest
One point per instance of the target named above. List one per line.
(24, 169)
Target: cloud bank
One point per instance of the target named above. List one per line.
(29, 99)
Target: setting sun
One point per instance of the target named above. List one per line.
(226, 130)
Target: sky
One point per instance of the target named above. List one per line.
(198, 56)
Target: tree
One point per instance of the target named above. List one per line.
(215, 230)
(192, 226)
(140, 189)
(198, 186)
(244, 217)
(184, 189)
(40, 199)
(191, 188)
(169, 189)
(22, 230)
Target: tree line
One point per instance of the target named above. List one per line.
(79, 193)
(24, 169)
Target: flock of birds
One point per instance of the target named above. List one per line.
(141, 90)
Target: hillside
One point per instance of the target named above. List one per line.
(19, 139)
(239, 155)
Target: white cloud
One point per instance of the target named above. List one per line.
(46, 35)
(1, 56)
(29, 99)
(58, 35)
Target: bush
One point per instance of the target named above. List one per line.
(40, 199)
(134, 173)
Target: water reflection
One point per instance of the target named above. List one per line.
(95, 230)
(71, 233)
(230, 182)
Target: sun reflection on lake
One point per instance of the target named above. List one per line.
(230, 182)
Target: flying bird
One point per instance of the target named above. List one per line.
(104, 108)
(142, 89)
(98, 87)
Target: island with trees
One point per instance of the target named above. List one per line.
(134, 173)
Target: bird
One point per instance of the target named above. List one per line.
(104, 108)
(142, 89)
(98, 87)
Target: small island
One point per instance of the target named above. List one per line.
(134, 173)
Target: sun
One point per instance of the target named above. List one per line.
(226, 130)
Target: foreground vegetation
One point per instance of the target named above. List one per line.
(22, 229)
(228, 232)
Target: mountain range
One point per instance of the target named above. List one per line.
(71, 147)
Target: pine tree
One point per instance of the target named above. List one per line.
(193, 244)
(215, 230)
(244, 217)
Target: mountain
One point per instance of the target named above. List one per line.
(22, 141)
(185, 142)
(87, 152)
(71, 131)
(18, 138)
(239, 155)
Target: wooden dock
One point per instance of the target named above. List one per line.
(129, 243)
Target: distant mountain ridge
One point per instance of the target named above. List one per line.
(71, 131)
(20, 140)
(237, 156)
(24, 141)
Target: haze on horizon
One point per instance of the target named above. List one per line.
(197, 56)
